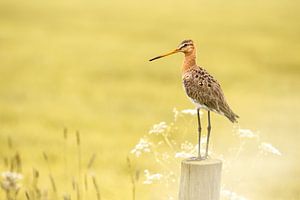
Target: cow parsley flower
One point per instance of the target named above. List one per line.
(150, 178)
(246, 133)
(10, 181)
(143, 145)
(189, 111)
(183, 154)
(158, 128)
(269, 148)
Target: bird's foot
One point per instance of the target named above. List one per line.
(206, 157)
(199, 158)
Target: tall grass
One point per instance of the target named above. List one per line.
(15, 187)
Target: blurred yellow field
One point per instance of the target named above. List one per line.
(83, 66)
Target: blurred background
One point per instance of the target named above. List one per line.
(83, 65)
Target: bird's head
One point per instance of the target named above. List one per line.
(186, 47)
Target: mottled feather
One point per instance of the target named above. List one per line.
(206, 92)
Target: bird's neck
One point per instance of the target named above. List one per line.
(189, 61)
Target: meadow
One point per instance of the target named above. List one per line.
(82, 66)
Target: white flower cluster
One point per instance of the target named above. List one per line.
(158, 128)
(264, 147)
(269, 148)
(183, 154)
(150, 178)
(188, 150)
(185, 112)
(10, 181)
(187, 146)
(246, 133)
(144, 145)
(189, 111)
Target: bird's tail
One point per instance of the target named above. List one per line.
(232, 116)
(226, 110)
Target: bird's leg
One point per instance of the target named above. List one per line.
(199, 134)
(208, 134)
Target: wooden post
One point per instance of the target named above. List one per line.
(200, 180)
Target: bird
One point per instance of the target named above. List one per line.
(202, 89)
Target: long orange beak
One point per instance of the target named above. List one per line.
(164, 55)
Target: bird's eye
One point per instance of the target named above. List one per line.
(184, 45)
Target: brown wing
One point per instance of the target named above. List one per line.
(203, 89)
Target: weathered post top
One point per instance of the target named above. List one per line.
(200, 179)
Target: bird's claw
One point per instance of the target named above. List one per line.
(196, 158)
(199, 158)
